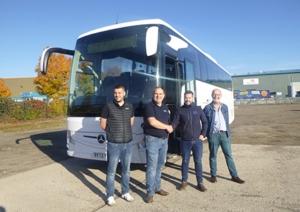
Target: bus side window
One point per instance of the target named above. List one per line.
(203, 75)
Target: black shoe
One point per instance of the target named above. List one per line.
(201, 187)
(213, 179)
(183, 186)
(149, 199)
(237, 180)
(162, 192)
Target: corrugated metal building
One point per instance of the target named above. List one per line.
(278, 82)
(19, 85)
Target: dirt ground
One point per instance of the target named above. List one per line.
(253, 124)
(267, 125)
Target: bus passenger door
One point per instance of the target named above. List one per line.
(173, 82)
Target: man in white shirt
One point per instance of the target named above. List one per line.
(218, 134)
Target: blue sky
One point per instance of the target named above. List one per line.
(242, 35)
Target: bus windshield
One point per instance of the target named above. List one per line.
(104, 60)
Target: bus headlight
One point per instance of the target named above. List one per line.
(70, 135)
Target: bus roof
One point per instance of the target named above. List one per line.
(145, 22)
(126, 24)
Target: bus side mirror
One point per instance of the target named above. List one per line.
(44, 60)
(151, 41)
(48, 52)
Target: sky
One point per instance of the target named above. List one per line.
(241, 35)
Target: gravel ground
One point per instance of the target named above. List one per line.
(265, 147)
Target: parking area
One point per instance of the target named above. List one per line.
(36, 175)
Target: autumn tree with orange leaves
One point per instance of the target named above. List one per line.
(4, 91)
(55, 82)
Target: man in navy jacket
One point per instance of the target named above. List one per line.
(188, 118)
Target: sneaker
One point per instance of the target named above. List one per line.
(127, 197)
(111, 201)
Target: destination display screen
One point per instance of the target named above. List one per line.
(119, 43)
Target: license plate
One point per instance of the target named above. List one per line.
(101, 155)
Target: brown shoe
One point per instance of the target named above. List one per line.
(183, 186)
(213, 179)
(237, 180)
(149, 199)
(162, 192)
(201, 187)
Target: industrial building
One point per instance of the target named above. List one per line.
(20, 85)
(281, 83)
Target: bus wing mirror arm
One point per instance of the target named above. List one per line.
(48, 52)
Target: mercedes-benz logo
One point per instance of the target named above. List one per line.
(101, 138)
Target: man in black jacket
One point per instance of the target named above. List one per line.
(188, 118)
(116, 119)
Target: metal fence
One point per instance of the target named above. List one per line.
(11, 111)
(266, 101)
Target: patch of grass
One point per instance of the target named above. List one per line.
(32, 125)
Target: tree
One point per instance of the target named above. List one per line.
(4, 91)
(55, 83)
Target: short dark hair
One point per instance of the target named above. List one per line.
(189, 92)
(119, 86)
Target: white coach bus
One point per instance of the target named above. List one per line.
(139, 55)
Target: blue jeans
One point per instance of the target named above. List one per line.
(156, 154)
(221, 139)
(116, 152)
(186, 147)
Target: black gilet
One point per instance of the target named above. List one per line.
(118, 128)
